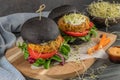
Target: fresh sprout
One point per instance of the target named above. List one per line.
(78, 75)
(80, 63)
(92, 73)
(85, 69)
(103, 9)
(74, 19)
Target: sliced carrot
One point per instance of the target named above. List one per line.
(102, 43)
(106, 42)
(96, 47)
(92, 49)
(104, 36)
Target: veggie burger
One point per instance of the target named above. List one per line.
(75, 27)
(43, 43)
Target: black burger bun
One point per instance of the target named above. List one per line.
(60, 11)
(39, 31)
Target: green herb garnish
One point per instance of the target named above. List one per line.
(23, 47)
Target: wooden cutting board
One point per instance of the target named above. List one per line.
(58, 72)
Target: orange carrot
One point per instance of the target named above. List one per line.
(106, 42)
(92, 49)
(103, 42)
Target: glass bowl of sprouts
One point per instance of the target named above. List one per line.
(104, 13)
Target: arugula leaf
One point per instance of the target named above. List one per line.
(26, 55)
(65, 56)
(67, 38)
(94, 28)
(82, 38)
(23, 47)
(88, 37)
(93, 32)
(56, 58)
(72, 39)
(47, 64)
(64, 50)
(39, 62)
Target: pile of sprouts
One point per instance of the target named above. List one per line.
(106, 10)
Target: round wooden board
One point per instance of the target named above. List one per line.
(58, 72)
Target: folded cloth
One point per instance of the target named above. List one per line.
(9, 25)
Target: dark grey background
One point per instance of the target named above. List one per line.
(16, 6)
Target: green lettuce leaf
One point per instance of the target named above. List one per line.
(64, 50)
(56, 58)
(23, 47)
(39, 62)
(47, 64)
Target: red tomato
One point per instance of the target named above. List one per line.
(91, 24)
(77, 34)
(36, 55)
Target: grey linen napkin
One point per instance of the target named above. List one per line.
(8, 25)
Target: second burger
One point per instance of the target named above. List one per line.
(75, 27)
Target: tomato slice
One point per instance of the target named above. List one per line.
(36, 55)
(91, 24)
(77, 34)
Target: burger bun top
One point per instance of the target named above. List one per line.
(60, 11)
(39, 31)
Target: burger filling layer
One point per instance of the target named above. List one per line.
(47, 47)
(74, 22)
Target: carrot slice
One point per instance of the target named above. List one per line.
(102, 43)
(106, 42)
(92, 49)
(102, 40)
